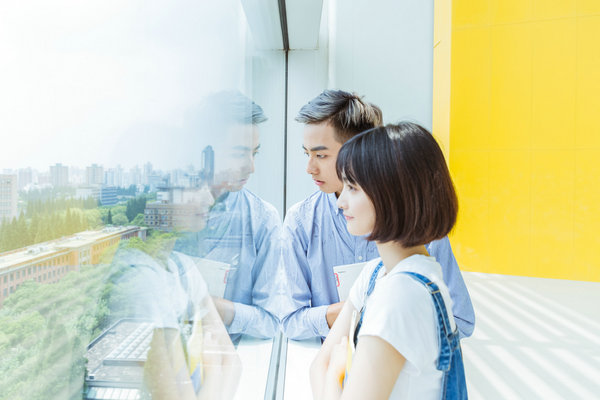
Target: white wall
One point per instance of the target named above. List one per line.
(384, 50)
(380, 49)
(268, 90)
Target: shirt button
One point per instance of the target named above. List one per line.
(360, 258)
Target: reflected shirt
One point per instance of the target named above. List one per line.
(315, 239)
(243, 231)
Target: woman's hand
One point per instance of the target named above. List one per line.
(337, 362)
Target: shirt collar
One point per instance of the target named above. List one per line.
(333, 202)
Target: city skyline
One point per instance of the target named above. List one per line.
(110, 81)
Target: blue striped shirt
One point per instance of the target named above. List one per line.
(315, 239)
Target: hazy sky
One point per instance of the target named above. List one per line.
(111, 82)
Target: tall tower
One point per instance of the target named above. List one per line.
(8, 196)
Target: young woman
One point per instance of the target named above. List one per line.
(398, 190)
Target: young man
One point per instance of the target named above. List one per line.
(241, 229)
(314, 230)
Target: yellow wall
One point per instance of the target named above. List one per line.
(524, 136)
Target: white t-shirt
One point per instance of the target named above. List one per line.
(400, 311)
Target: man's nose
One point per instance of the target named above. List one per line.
(311, 167)
(248, 165)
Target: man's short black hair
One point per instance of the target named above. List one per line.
(402, 170)
(227, 107)
(346, 112)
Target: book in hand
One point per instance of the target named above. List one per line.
(215, 274)
(345, 276)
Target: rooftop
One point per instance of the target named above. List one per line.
(40, 250)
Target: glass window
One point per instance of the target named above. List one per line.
(168, 111)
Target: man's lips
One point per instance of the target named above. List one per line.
(318, 182)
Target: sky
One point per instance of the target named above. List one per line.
(112, 82)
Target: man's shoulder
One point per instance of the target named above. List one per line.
(256, 203)
(307, 207)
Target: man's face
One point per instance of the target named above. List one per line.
(234, 157)
(320, 146)
(191, 214)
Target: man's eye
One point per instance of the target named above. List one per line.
(321, 156)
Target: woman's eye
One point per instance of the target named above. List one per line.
(321, 156)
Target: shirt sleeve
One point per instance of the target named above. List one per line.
(300, 320)
(259, 318)
(401, 312)
(462, 308)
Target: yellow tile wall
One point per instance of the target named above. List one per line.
(524, 136)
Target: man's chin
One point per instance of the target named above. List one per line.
(327, 189)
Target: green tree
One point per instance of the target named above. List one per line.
(109, 220)
(139, 220)
(120, 219)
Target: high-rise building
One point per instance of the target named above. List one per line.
(94, 175)
(8, 196)
(147, 173)
(133, 177)
(59, 175)
(109, 177)
(25, 177)
(119, 176)
(108, 195)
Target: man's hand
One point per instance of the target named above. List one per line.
(225, 309)
(333, 310)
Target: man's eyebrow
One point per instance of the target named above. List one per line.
(316, 148)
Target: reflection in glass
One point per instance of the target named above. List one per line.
(126, 233)
(238, 249)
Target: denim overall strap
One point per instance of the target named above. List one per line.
(369, 291)
(450, 359)
(443, 321)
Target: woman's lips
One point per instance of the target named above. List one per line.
(318, 183)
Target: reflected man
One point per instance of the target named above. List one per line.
(242, 231)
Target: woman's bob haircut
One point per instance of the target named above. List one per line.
(402, 170)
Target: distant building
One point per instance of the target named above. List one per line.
(48, 262)
(108, 195)
(155, 181)
(174, 209)
(59, 175)
(94, 175)
(109, 177)
(146, 173)
(87, 192)
(134, 177)
(25, 177)
(8, 197)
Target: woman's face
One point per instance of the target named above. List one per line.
(358, 209)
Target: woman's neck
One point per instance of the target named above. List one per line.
(393, 252)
